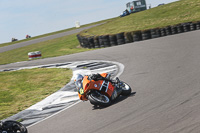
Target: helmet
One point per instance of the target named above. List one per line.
(78, 77)
(78, 82)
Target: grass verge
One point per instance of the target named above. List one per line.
(51, 48)
(169, 14)
(21, 89)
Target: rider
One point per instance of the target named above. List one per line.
(79, 80)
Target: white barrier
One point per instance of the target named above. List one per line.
(36, 54)
(77, 23)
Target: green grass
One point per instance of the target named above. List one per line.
(21, 89)
(169, 14)
(51, 48)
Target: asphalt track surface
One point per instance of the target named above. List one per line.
(42, 39)
(164, 73)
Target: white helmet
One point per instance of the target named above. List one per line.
(78, 81)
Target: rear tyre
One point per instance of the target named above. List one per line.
(96, 98)
(126, 89)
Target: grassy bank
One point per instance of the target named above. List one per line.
(56, 47)
(169, 14)
(21, 89)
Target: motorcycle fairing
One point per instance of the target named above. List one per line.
(101, 85)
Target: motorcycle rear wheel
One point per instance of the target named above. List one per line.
(96, 98)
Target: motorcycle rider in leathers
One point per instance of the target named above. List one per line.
(95, 77)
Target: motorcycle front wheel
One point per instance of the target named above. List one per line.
(96, 98)
(126, 89)
(11, 126)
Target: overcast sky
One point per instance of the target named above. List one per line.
(37, 17)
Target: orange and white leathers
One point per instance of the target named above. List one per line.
(96, 85)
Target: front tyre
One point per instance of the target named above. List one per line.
(96, 98)
(126, 89)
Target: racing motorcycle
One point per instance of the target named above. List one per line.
(100, 90)
(11, 126)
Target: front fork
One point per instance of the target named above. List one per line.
(117, 90)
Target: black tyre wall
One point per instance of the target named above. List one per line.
(128, 37)
(162, 32)
(137, 36)
(106, 41)
(96, 42)
(168, 30)
(80, 40)
(146, 34)
(113, 40)
(179, 28)
(85, 42)
(186, 27)
(120, 38)
(101, 41)
(174, 29)
(193, 26)
(198, 25)
(155, 33)
(91, 42)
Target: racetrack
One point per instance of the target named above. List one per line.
(42, 39)
(165, 75)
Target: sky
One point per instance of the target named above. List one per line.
(36, 17)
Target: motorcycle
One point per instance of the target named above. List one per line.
(11, 126)
(102, 92)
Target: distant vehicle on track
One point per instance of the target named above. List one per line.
(125, 13)
(136, 6)
(14, 39)
(28, 36)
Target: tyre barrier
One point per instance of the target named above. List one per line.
(155, 33)
(96, 42)
(180, 28)
(128, 37)
(113, 40)
(105, 40)
(168, 30)
(101, 41)
(186, 26)
(193, 26)
(33, 55)
(120, 38)
(197, 25)
(91, 42)
(137, 36)
(162, 32)
(174, 30)
(146, 34)
(134, 36)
